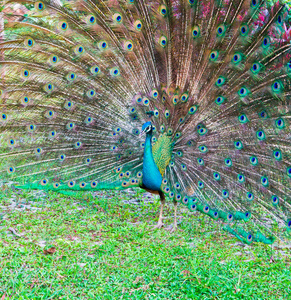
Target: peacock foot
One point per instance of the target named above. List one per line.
(172, 228)
(159, 225)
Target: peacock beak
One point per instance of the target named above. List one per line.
(142, 133)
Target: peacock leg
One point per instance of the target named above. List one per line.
(160, 221)
(174, 226)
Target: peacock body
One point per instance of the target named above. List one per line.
(207, 82)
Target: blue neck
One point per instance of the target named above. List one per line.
(152, 178)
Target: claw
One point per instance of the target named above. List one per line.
(159, 225)
(172, 228)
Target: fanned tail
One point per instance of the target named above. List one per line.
(79, 80)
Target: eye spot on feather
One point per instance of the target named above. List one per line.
(25, 74)
(180, 153)
(93, 184)
(203, 149)
(56, 185)
(229, 217)
(243, 92)
(156, 113)
(31, 127)
(265, 181)
(289, 171)
(213, 56)
(225, 194)
(146, 101)
(280, 124)
(154, 94)
(216, 176)
(163, 41)
(91, 93)
(244, 29)
(243, 119)
(167, 189)
(220, 81)
(77, 145)
(237, 58)
(70, 126)
(71, 183)
(92, 20)
(277, 87)
(69, 105)
(52, 134)
(53, 59)
(79, 50)
(254, 161)
(163, 10)
(63, 25)
(238, 145)
(11, 142)
(3, 117)
(62, 157)
(102, 45)
(228, 162)
(195, 32)
(241, 178)
(263, 115)
(175, 100)
(200, 185)
(277, 154)
(261, 135)
(137, 25)
(184, 97)
(95, 70)
(117, 18)
(202, 131)
(39, 6)
(219, 100)
(192, 110)
(275, 200)
(29, 42)
(71, 76)
(200, 161)
(255, 68)
(11, 170)
(88, 120)
(167, 114)
(183, 167)
(82, 184)
(221, 30)
(250, 196)
(128, 46)
(266, 42)
(44, 182)
(49, 87)
(114, 72)
(193, 207)
(185, 200)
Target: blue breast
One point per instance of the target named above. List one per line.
(152, 178)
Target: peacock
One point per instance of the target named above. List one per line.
(187, 99)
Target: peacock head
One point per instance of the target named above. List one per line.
(147, 128)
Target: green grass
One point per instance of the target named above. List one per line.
(107, 250)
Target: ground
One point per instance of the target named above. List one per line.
(102, 246)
